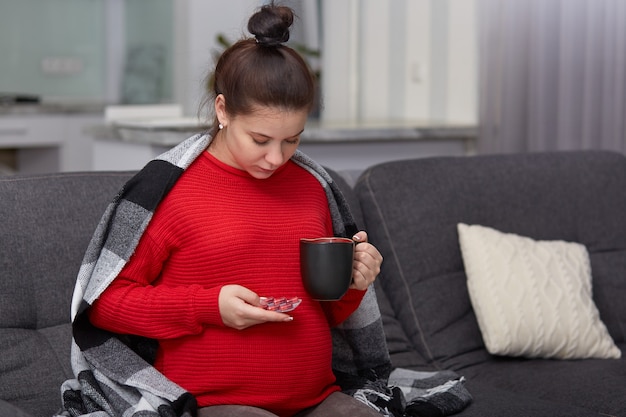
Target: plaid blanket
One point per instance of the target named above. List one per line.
(430, 394)
(113, 373)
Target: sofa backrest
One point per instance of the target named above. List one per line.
(45, 224)
(411, 210)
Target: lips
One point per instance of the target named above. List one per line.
(267, 171)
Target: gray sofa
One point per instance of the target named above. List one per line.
(410, 210)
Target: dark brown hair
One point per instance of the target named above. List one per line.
(262, 71)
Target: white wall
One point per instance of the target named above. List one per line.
(399, 59)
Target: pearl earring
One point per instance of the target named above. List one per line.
(221, 126)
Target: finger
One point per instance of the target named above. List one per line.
(359, 281)
(365, 269)
(261, 315)
(360, 237)
(248, 315)
(248, 296)
(362, 275)
(364, 248)
(368, 254)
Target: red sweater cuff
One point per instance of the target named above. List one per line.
(338, 311)
(207, 306)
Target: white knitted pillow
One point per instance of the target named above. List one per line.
(533, 298)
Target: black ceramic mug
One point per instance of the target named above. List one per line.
(326, 266)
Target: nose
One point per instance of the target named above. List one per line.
(275, 156)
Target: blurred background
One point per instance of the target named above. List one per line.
(492, 76)
(379, 58)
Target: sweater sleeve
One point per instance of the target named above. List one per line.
(338, 311)
(133, 304)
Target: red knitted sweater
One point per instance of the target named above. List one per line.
(220, 226)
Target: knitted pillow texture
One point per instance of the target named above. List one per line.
(533, 298)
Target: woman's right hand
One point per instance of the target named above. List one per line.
(241, 308)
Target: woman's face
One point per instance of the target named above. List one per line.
(260, 142)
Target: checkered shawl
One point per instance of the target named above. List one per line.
(113, 373)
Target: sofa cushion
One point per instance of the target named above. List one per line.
(9, 410)
(401, 351)
(411, 209)
(491, 401)
(533, 298)
(593, 384)
(47, 221)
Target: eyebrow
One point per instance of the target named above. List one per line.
(269, 137)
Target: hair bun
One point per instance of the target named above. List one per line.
(270, 25)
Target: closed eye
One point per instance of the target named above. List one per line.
(261, 139)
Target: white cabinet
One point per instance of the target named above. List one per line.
(37, 140)
(77, 150)
(49, 143)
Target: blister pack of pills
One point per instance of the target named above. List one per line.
(280, 304)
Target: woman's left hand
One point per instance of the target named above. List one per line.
(366, 264)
